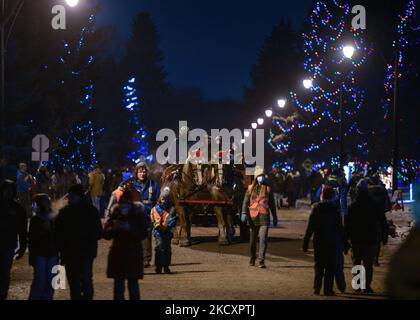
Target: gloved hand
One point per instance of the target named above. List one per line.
(244, 217)
(275, 222)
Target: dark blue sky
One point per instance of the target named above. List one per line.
(210, 45)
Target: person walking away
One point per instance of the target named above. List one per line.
(380, 195)
(96, 186)
(77, 231)
(126, 227)
(290, 189)
(362, 222)
(277, 180)
(24, 185)
(43, 253)
(163, 221)
(256, 208)
(326, 227)
(13, 233)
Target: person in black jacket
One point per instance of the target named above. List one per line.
(362, 222)
(325, 224)
(43, 254)
(13, 229)
(78, 228)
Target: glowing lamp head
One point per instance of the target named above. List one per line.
(247, 133)
(281, 103)
(307, 83)
(243, 141)
(260, 121)
(254, 125)
(268, 113)
(72, 3)
(348, 51)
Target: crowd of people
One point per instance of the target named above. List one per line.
(137, 211)
(337, 227)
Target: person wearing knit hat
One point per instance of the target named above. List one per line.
(164, 221)
(257, 205)
(365, 220)
(325, 225)
(145, 192)
(126, 227)
(43, 252)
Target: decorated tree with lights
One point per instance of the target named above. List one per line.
(76, 147)
(139, 145)
(400, 70)
(313, 129)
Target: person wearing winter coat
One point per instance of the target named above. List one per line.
(43, 181)
(24, 184)
(363, 222)
(164, 221)
(380, 195)
(126, 227)
(325, 225)
(43, 252)
(256, 208)
(96, 186)
(290, 190)
(78, 228)
(145, 193)
(13, 233)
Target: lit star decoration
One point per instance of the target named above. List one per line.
(77, 149)
(316, 124)
(407, 35)
(140, 138)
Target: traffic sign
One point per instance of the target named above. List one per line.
(40, 144)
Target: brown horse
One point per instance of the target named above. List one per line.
(195, 182)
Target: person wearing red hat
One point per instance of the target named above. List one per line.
(326, 227)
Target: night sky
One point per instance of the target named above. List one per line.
(210, 45)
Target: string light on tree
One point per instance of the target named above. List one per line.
(139, 140)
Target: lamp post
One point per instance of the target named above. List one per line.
(396, 150)
(348, 52)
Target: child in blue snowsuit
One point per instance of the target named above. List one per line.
(163, 221)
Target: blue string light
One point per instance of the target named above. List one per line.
(140, 138)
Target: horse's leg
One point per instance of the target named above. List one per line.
(185, 227)
(221, 224)
(229, 220)
(175, 239)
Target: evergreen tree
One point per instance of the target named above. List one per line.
(313, 130)
(76, 148)
(144, 60)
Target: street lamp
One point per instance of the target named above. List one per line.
(260, 121)
(247, 133)
(307, 83)
(281, 103)
(254, 125)
(348, 51)
(72, 3)
(268, 113)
